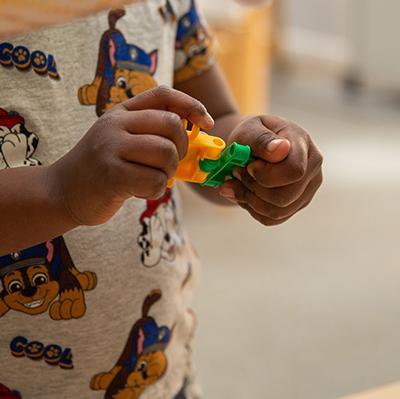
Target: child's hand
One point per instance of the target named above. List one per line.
(131, 151)
(285, 178)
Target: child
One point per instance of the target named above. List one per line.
(96, 271)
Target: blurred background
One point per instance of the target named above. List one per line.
(310, 309)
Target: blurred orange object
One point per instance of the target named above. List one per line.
(245, 56)
(23, 16)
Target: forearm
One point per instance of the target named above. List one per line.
(31, 210)
(225, 124)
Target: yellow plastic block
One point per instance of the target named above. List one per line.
(201, 146)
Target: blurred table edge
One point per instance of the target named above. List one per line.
(391, 391)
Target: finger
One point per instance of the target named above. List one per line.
(265, 144)
(165, 98)
(260, 218)
(134, 180)
(279, 196)
(227, 191)
(161, 123)
(263, 208)
(293, 169)
(150, 150)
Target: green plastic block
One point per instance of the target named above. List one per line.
(235, 155)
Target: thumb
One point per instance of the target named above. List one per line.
(268, 146)
(264, 143)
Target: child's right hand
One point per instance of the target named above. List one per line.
(131, 151)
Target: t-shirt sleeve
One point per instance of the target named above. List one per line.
(194, 45)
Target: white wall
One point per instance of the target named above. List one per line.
(325, 16)
(316, 28)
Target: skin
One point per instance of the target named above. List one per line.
(289, 170)
(131, 151)
(134, 148)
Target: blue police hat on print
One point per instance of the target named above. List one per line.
(155, 336)
(128, 56)
(151, 338)
(187, 23)
(41, 254)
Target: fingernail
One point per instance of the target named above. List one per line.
(250, 171)
(227, 192)
(274, 144)
(236, 174)
(210, 118)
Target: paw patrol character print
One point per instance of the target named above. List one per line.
(160, 231)
(6, 393)
(43, 278)
(143, 361)
(17, 143)
(123, 70)
(194, 47)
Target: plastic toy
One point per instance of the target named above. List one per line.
(208, 161)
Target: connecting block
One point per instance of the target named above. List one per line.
(201, 146)
(236, 155)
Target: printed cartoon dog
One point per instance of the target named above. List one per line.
(123, 70)
(6, 393)
(42, 277)
(160, 231)
(193, 46)
(142, 362)
(17, 143)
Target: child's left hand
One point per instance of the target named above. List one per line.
(285, 177)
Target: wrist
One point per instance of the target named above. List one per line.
(53, 188)
(226, 124)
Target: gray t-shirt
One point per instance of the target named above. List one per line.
(102, 312)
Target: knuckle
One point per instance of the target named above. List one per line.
(238, 194)
(280, 199)
(248, 181)
(162, 91)
(107, 122)
(173, 121)
(316, 184)
(274, 213)
(261, 177)
(157, 184)
(167, 152)
(262, 139)
(305, 205)
(298, 171)
(267, 222)
(105, 148)
(264, 220)
(272, 223)
(196, 107)
(320, 179)
(319, 160)
(241, 194)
